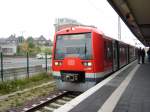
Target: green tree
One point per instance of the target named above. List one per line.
(19, 50)
(21, 39)
(30, 39)
(38, 49)
(24, 47)
(48, 51)
(31, 45)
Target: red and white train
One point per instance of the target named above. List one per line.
(82, 56)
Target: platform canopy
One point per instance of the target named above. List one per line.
(136, 15)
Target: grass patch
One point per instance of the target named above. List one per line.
(20, 84)
(18, 100)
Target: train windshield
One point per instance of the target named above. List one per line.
(74, 45)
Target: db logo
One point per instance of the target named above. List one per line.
(71, 62)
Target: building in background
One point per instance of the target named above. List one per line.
(61, 23)
(42, 41)
(12, 39)
(8, 48)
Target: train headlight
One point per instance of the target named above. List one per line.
(56, 63)
(59, 63)
(85, 63)
(89, 64)
(72, 28)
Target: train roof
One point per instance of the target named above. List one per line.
(76, 29)
(83, 29)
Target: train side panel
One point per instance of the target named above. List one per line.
(98, 51)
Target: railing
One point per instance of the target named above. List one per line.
(12, 68)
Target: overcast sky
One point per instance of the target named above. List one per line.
(36, 17)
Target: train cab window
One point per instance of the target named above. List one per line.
(74, 45)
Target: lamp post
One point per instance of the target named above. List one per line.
(2, 75)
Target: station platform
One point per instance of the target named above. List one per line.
(127, 90)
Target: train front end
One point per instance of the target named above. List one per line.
(72, 62)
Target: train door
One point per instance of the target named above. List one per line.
(115, 56)
(108, 57)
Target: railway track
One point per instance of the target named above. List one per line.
(51, 103)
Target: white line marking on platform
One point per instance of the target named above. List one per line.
(112, 101)
(70, 105)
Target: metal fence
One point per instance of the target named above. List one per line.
(12, 68)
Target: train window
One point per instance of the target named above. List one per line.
(74, 45)
(132, 52)
(108, 50)
(105, 51)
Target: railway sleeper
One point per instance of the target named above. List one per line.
(67, 98)
(49, 108)
(61, 101)
(56, 104)
(72, 96)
